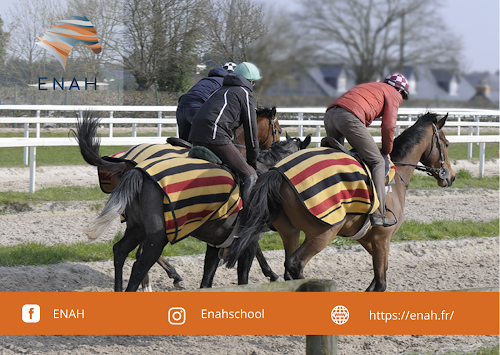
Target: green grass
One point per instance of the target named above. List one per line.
(39, 254)
(463, 179)
(485, 350)
(65, 193)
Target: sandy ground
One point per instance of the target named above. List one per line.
(413, 266)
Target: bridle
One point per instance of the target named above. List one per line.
(273, 129)
(442, 172)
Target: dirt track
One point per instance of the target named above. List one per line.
(413, 266)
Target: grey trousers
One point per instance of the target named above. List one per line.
(342, 124)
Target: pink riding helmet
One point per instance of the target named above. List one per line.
(399, 82)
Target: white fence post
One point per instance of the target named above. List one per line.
(159, 125)
(469, 145)
(482, 153)
(25, 150)
(301, 126)
(111, 125)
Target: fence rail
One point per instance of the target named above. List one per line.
(405, 119)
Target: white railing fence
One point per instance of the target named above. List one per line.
(470, 118)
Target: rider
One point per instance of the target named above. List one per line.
(190, 102)
(227, 109)
(350, 115)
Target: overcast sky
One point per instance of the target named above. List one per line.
(476, 21)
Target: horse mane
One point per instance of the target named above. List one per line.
(275, 153)
(412, 136)
(264, 111)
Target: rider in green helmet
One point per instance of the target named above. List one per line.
(249, 71)
(228, 108)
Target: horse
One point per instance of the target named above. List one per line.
(274, 200)
(142, 201)
(269, 132)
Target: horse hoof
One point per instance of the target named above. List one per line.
(277, 279)
(180, 285)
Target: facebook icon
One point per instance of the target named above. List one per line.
(31, 313)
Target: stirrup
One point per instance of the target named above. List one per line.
(377, 221)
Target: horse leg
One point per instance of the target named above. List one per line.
(146, 282)
(172, 273)
(245, 263)
(150, 254)
(289, 235)
(377, 244)
(210, 266)
(121, 249)
(266, 269)
(312, 245)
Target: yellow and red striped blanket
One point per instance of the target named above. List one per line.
(196, 191)
(330, 184)
(138, 154)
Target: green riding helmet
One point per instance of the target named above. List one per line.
(248, 70)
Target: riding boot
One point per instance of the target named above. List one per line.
(378, 220)
(246, 187)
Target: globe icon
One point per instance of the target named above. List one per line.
(340, 315)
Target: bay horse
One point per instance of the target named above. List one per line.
(142, 201)
(269, 132)
(274, 200)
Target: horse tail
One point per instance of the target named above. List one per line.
(128, 188)
(260, 210)
(89, 143)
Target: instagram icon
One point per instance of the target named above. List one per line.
(177, 316)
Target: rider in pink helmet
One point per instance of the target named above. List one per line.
(349, 116)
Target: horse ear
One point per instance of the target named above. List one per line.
(287, 136)
(273, 111)
(441, 122)
(306, 142)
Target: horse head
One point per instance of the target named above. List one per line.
(437, 156)
(268, 126)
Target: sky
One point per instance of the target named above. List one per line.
(475, 21)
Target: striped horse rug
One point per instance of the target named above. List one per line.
(331, 184)
(196, 191)
(138, 154)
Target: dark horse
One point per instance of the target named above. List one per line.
(269, 132)
(142, 200)
(273, 200)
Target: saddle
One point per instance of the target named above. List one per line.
(179, 142)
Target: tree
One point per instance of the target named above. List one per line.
(281, 51)
(370, 36)
(106, 16)
(159, 41)
(27, 19)
(4, 40)
(231, 26)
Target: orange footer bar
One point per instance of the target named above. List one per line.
(265, 313)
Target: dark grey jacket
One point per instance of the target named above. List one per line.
(228, 108)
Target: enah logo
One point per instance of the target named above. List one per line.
(60, 39)
(31, 313)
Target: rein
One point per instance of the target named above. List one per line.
(442, 172)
